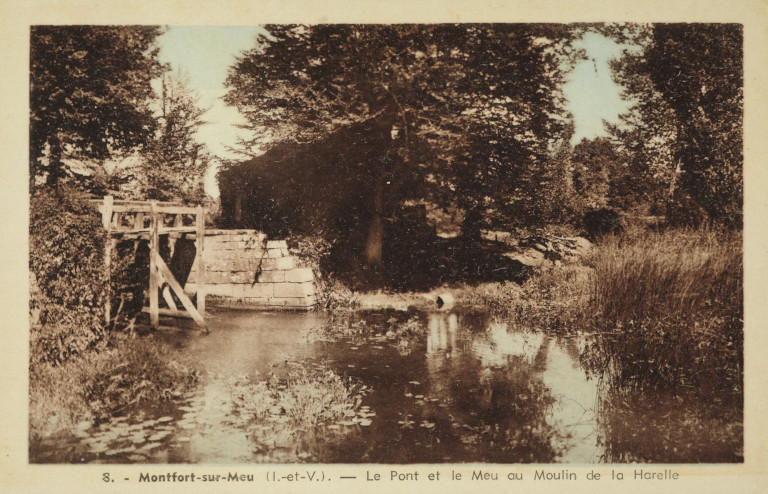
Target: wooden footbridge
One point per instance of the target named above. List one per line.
(148, 221)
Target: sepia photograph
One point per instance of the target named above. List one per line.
(349, 251)
(421, 243)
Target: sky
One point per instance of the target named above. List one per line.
(592, 95)
(205, 53)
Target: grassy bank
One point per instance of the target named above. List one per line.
(670, 308)
(103, 382)
(666, 307)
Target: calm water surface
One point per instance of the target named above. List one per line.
(465, 389)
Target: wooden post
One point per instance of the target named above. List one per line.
(200, 246)
(106, 221)
(154, 244)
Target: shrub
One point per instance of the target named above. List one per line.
(306, 396)
(601, 222)
(133, 372)
(97, 385)
(314, 252)
(68, 276)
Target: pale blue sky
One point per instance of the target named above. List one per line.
(592, 95)
(205, 53)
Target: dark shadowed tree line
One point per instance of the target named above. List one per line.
(684, 135)
(479, 123)
(474, 108)
(98, 120)
(474, 121)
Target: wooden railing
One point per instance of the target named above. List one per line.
(148, 220)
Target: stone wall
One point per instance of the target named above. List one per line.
(244, 268)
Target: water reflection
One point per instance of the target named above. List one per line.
(468, 389)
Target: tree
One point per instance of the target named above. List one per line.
(174, 163)
(473, 105)
(89, 93)
(696, 70)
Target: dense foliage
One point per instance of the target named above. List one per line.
(686, 123)
(69, 279)
(174, 163)
(98, 121)
(89, 93)
(474, 107)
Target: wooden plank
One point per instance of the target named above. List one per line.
(106, 220)
(200, 247)
(138, 221)
(161, 229)
(127, 202)
(118, 208)
(154, 255)
(169, 298)
(106, 212)
(166, 292)
(143, 327)
(170, 313)
(179, 291)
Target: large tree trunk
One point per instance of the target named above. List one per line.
(375, 239)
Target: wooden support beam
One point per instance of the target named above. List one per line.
(154, 255)
(161, 279)
(106, 212)
(106, 221)
(179, 291)
(138, 221)
(171, 313)
(200, 247)
(166, 291)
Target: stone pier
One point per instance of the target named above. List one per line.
(243, 268)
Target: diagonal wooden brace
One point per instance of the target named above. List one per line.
(166, 273)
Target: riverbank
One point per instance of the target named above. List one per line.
(643, 315)
(667, 305)
(103, 383)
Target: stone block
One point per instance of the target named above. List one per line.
(225, 254)
(229, 291)
(225, 277)
(299, 275)
(232, 244)
(274, 253)
(283, 264)
(258, 290)
(287, 290)
(303, 303)
(272, 276)
(276, 244)
(227, 265)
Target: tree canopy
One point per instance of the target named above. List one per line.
(90, 88)
(687, 85)
(475, 107)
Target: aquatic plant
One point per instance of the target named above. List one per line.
(100, 384)
(304, 397)
(551, 299)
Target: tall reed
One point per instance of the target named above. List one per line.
(669, 307)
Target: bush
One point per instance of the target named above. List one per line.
(601, 222)
(97, 385)
(314, 252)
(68, 277)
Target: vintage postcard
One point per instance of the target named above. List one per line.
(438, 246)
